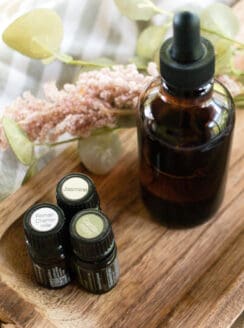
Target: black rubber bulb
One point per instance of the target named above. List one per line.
(187, 46)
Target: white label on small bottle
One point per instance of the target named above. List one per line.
(75, 188)
(44, 219)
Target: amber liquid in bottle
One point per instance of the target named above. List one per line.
(184, 142)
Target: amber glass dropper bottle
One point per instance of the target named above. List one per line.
(185, 127)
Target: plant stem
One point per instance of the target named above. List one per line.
(157, 9)
(84, 63)
(60, 142)
(162, 11)
(71, 61)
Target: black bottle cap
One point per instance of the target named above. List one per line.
(187, 60)
(75, 192)
(91, 235)
(44, 229)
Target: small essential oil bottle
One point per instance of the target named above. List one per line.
(76, 192)
(95, 254)
(44, 232)
(185, 128)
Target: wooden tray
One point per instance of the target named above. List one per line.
(169, 278)
(188, 278)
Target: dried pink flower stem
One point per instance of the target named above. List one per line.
(95, 101)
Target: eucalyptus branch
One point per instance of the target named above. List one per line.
(67, 59)
(170, 14)
(71, 61)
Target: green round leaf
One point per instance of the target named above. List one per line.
(22, 147)
(220, 18)
(37, 34)
(133, 10)
(32, 170)
(156, 58)
(150, 40)
(140, 62)
(223, 53)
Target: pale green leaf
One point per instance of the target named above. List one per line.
(223, 53)
(220, 26)
(156, 58)
(9, 180)
(221, 19)
(86, 65)
(140, 62)
(37, 34)
(49, 60)
(137, 9)
(32, 170)
(22, 147)
(150, 40)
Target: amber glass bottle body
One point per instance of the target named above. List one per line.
(184, 140)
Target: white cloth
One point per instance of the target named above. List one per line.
(92, 29)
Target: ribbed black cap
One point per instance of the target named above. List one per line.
(187, 60)
(44, 229)
(76, 192)
(91, 235)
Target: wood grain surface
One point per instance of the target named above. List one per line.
(169, 278)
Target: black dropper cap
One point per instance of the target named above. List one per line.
(86, 195)
(102, 241)
(187, 60)
(44, 226)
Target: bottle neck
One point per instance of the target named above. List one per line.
(188, 97)
(102, 260)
